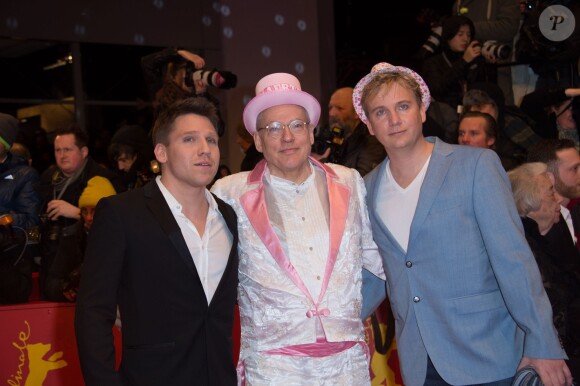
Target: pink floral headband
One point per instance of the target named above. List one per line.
(382, 68)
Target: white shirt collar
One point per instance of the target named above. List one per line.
(176, 207)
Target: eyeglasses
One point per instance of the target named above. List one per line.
(276, 129)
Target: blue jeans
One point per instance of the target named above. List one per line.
(434, 379)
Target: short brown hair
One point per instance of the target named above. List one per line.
(164, 123)
(490, 123)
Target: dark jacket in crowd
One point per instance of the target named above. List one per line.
(252, 157)
(448, 75)
(65, 270)
(55, 232)
(18, 195)
(361, 151)
(561, 283)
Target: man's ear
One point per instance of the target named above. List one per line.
(160, 152)
(258, 142)
(85, 151)
(370, 127)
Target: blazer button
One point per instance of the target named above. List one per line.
(409, 264)
(416, 299)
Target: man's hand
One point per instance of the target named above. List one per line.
(197, 60)
(57, 208)
(552, 372)
(472, 51)
(572, 92)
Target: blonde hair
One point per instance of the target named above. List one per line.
(388, 79)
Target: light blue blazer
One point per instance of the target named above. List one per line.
(468, 292)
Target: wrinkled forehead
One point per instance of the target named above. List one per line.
(283, 113)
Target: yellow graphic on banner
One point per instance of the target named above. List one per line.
(33, 354)
(380, 337)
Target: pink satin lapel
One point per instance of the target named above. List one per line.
(338, 197)
(254, 205)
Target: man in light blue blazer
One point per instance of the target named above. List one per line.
(464, 287)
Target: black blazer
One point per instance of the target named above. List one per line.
(137, 258)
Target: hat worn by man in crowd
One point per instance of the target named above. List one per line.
(275, 90)
(382, 68)
(8, 130)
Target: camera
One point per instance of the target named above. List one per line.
(491, 50)
(325, 137)
(51, 229)
(434, 40)
(214, 78)
(12, 240)
(428, 16)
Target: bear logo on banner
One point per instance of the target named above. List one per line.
(32, 357)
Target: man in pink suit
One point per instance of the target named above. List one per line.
(304, 239)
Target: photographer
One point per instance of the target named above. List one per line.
(460, 63)
(175, 74)
(555, 112)
(496, 20)
(131, 152)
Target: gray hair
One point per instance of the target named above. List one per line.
(525, 186)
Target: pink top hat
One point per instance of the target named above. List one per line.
(275, 90)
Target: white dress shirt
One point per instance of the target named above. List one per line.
(210, 251)
(568, 218)
(397, 205)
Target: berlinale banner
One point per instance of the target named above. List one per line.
(380, 336)
(38, 345)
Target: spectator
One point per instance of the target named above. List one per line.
(555, 113)
(497, 21)
(61, 186)
(63, 278)
(450, 72)
(304, 238)
(455, 299)
(563, 162)
(132, 153)
(18, 181)
(538, 206)
(514, 128)
(19, 207)
(359, 150)
(477, 129)
(21, 151)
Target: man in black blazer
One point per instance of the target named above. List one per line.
(166, 255)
